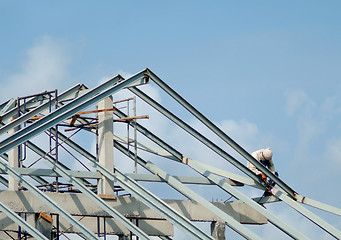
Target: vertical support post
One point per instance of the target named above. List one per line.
(218, 230)
(123, 237)
(135, 135)
(106, 144)
(13, 161)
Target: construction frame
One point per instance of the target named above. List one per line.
(44, 197)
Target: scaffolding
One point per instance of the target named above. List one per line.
(53, 186)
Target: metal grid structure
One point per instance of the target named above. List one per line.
(45, 198)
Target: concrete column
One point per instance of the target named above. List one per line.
(218, 230)
(106, 144)
(13, 161)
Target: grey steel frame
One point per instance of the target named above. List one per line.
(97, 200)
(88, 234)
(20, 221)
(90, 97)
(68, 110)
(190, 194)
(201, 138)
(147, 133)
(141, 193)
(220, 134)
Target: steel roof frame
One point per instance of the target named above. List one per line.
(80, 99)
(308, 214)
(245, 232)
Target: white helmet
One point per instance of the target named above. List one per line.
(267, 154)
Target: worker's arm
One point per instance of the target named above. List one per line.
(271, 166)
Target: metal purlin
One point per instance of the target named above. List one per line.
(141, 193)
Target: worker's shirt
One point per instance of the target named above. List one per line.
(258, 156)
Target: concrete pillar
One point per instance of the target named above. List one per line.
(106, 144)
(13, 161)
(218, 230)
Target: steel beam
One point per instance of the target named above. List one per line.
(21, 222)
(220, 134)
(51, 173)
(319, 205)
(226, 187)
(308, 214)
(153, 137)
(182, 179)
(190, 194)
(233, 176)
(5, 107)
(130, 207)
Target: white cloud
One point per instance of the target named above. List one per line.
(297, 100)
(44, 68)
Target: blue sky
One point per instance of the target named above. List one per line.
(268, 73)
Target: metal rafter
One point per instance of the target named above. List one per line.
(190, 194)
(220, 134)
(308, 214)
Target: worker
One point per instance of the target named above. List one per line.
(265, 157)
